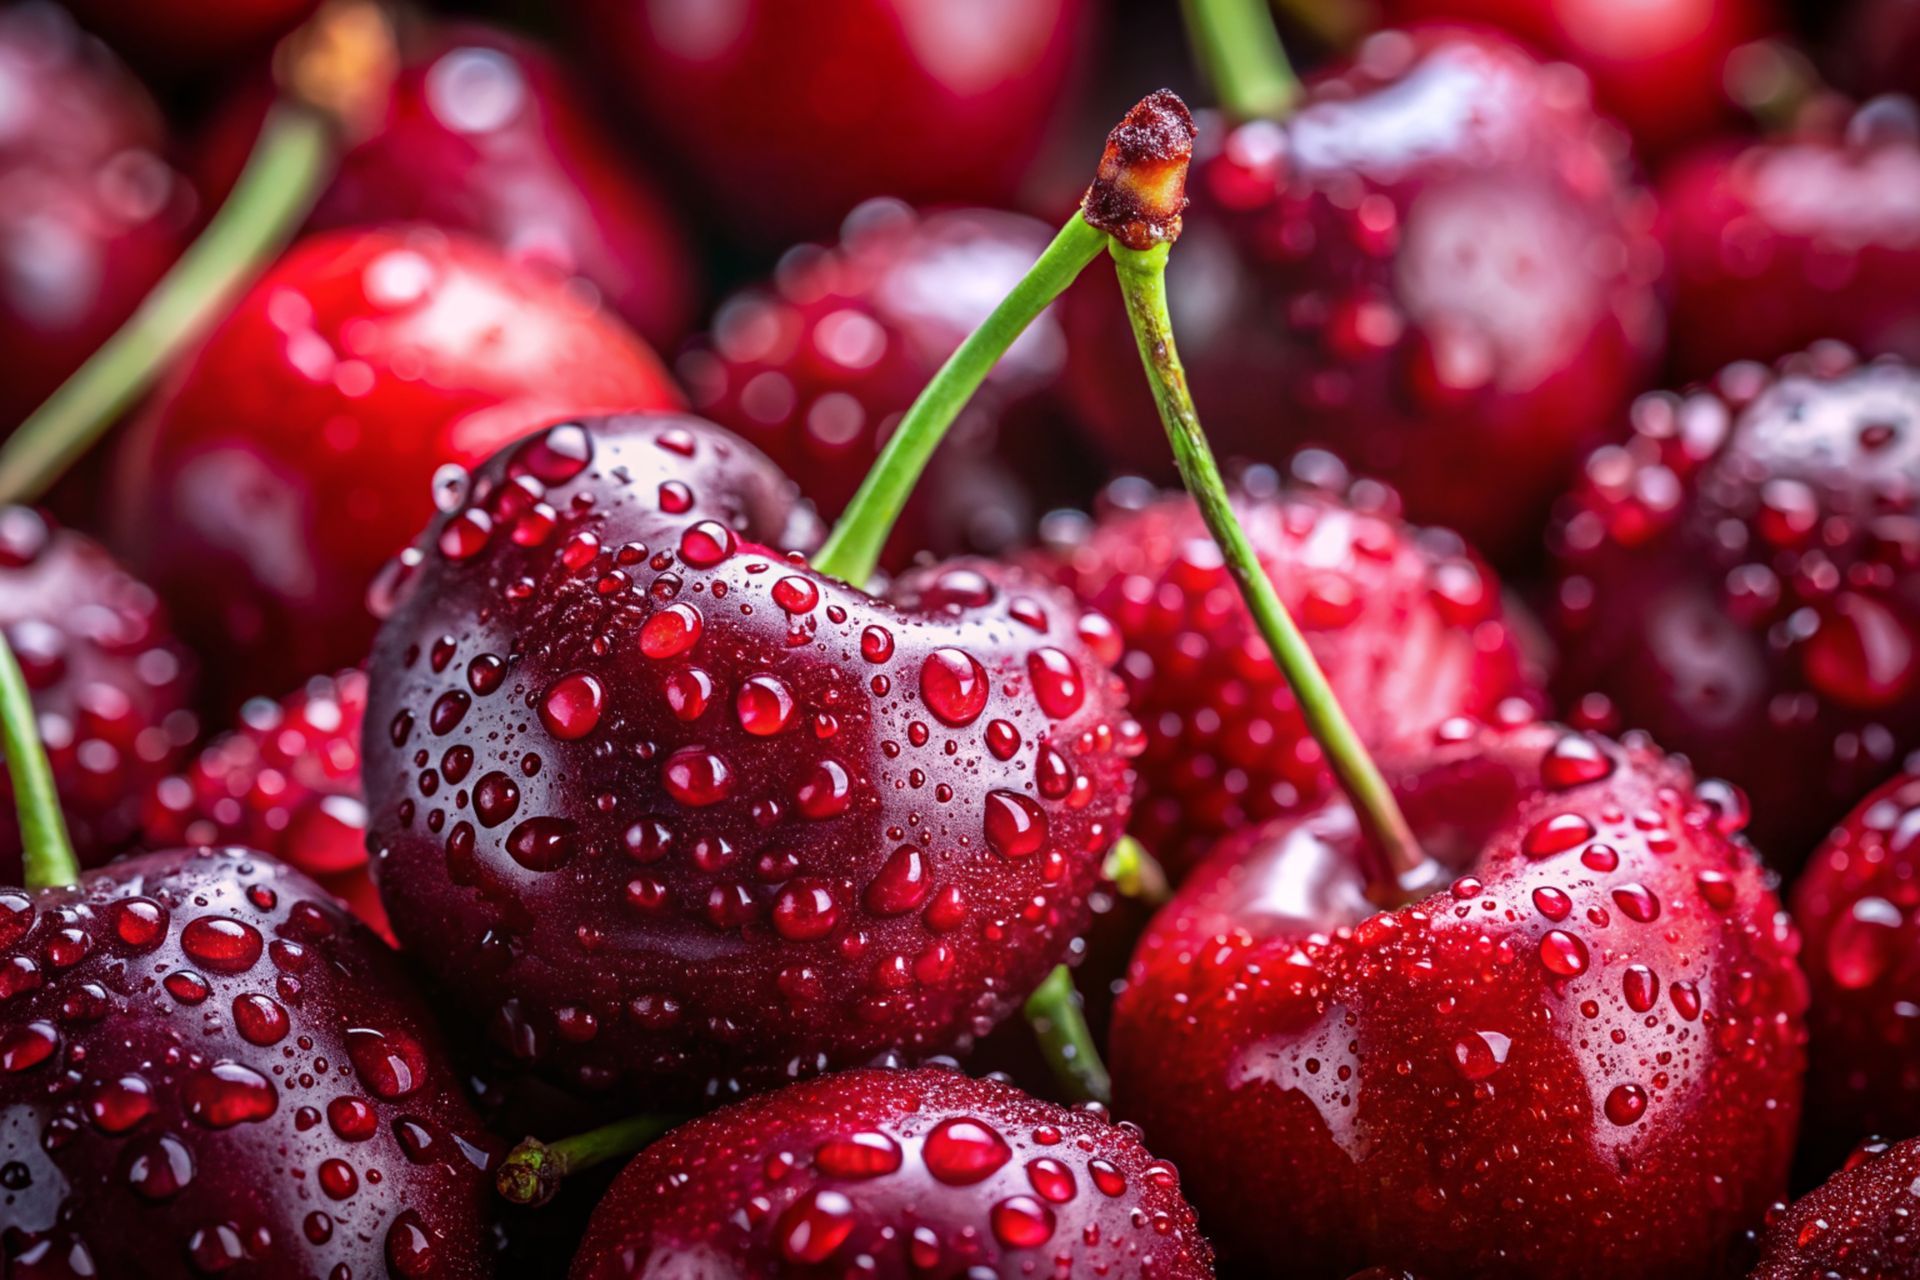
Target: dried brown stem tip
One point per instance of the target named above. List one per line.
(1142, 184)
(342, 62)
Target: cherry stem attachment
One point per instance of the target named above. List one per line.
(1239, 48)
(532, 1172)
(853, 548)
(46, 849)
(1060, 1025)
(1137, 874)
(1408, 871)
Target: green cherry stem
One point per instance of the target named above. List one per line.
(1239, 48)
(532, 1172)
(853, 548)
(1060, 1026)
(46, 849)
(1136, 873)
(1143, 285)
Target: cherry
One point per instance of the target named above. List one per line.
(912, 1173)
(1582, 1058)
(1858, 1225)
(286, 781)
(667, 806)
(1792, 241)
(483, 134)
(1746, 569)
(1406, 623)
(297, 451)
(93, 213)
(1854, 905)
(110, 686)
(180, 36)
(790, 116)
(817, 366)
(1436, 259)
(1871, 46)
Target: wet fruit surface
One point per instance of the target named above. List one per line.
(110, 686)
(207, 1067)
(1858, 1226)
(1805, 238)
(790, 116)
(662, 803)
(1746, 569)
(297, 451)
(913, 1173)
(818, 367)
(1582, 1058)
(1407, 624)
(1437, 260)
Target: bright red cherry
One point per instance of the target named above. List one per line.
(1437, 260)
(1858, 1225)
(207, 1067)
(818, 366)
(1781, 244)
(898, 1174)
(791, 115)
(93, 214)
(1581, 1059)
(175, 37)
(110, 686)
(665, 807)
(298, 449)
(1407, 624)
(484, 135)
(1745, 569)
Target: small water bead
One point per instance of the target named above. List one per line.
(1003, 740)
(1552, 903)
(676, 499)
(116, 1106)
(1051, 1180)
(1016, 827)
(353, 1119)
(1600, 857)
(796, 594)
(671, 632)
(706, 543)
(1641, 987)
(572, 705)
(1863, 943)
(827, 791)
(697, 777)
(449, 709)
(27, 1045)
(556, 455)
(466, 535)
(1717, 889)
(139, 922)
(1563, 953)
(1686, 1000)
(1480, 1054)
(158, 1168)
(961, 1151)
(337, 1178)
(1107, 1177)
(814, 1226)
(16, 917)
(1626, 1104)
(1637, 903)
(495, 798)
(689, 692)
(953, 685)
(1555, 835)
(858, 1156)
(804, 910)
(317, 1227)
(1021, 1222)
(903, 883)
(1057, 685)
(186, 986)
(876, 644)
(259, 1019)
(228, 1093)
(410, 1250)
(390, 1065)
(764, 704)
(1573, 761)
(222, 944)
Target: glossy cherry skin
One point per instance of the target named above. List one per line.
(666, 807)
(484, 135)
(1406, 623)
(1582, 1059)
(818, 365)
(175, 37)
(295, 453)
(1436, 261)
(1858, 1225)
(1856, 907)
(92, 213)
(1746, 569)
(285, 780)
(208, 1067)
(923, 1173)
(1784, 243)
(790, 115)
(111, 687)
(1657, 66)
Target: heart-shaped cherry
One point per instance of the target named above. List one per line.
(93, 214)
(1745, 569)
(667, 805)
(1793, 241)
(1435, 259)
(110, 686)
(1581, 1059)
(1858, 1225)
(817, 367)
(790, 116)
(296, 452)
(484, 135)
(897, 1174)
(1406, 623)
(1858, 908)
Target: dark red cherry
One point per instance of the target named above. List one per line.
(93, 214)
(1407, 624)
(790, 116)
(178, 37)
(299, 449)
(1436, 261)
(208, 1067)
(1745, 569)
(1582, 1058)
(1858, 1225)
(898, 1175)
(1808, 237)
(784, 843)
(110, 685)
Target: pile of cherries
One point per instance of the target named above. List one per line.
(472, 815)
